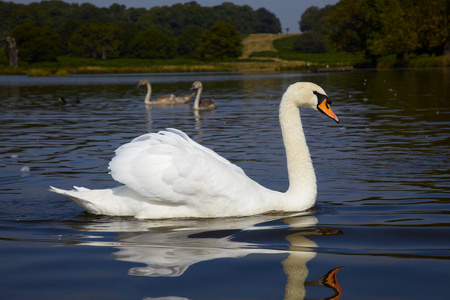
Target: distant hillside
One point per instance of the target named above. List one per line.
(259, 42)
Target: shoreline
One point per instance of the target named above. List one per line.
(244, 66)
(218, 67)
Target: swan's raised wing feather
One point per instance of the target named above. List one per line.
(170, 167)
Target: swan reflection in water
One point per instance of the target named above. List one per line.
(168, 248)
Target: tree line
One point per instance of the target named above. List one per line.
(41, 31)
(382, 27)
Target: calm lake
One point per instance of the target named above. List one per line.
(380, 228)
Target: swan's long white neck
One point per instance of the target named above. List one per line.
(197, 98)
(149, 92)
(302, 179)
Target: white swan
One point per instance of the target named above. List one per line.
(202, 104)
(165, 99)
(168, 175)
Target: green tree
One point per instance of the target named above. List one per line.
(221, 41)
(397, 34)
(49, 13)
(81, 36)
(66, 30)
(128, 32)
(36, 44)
(133, 14)
(266, 22)
(315, 19)
(384, 27)
(95, 39)
(153, 43)
(353, 23)
(118, 13)
(10, 16)
(433, 30)
(310, 42)
(195, 14)
(158, 18)
(89, 12)
(242, 17)
(189, 41)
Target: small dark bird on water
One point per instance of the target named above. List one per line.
(65, 101)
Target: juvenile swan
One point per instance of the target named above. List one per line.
(168, 175)
(202, 104)
(166, 99)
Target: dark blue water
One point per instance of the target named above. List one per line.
(380, 228)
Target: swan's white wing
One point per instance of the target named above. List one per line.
(170, 167)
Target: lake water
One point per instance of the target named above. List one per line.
(380, 228)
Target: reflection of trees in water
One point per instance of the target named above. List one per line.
(168, 248)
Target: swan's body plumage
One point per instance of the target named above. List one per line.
(169, 99)
(199, 103)
(168, 175)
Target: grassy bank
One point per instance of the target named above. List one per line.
(69, 65)
(262, 52)
(283, 50)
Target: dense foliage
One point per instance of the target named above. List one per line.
(89, 31)
(381, 27)
(38, 43)
(313, 23)
(42, 31)
(189, 41)
(221, 41)
(152, 43)
(386, 27)
(315, 19)
(310, 42)
(95, 39)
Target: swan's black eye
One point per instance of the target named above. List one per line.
(321, 97)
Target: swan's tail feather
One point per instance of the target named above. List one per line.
(73, 193)
(76, 195)
(103, 201)
(89, 200)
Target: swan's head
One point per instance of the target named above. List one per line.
(196, 85)
(143, 82)
(310, 95)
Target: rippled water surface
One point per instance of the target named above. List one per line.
(380, 228)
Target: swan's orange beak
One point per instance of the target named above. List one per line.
(325, 108)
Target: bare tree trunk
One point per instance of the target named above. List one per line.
(13, 52)
(103, 52)
(447, 48)
(400, 60)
